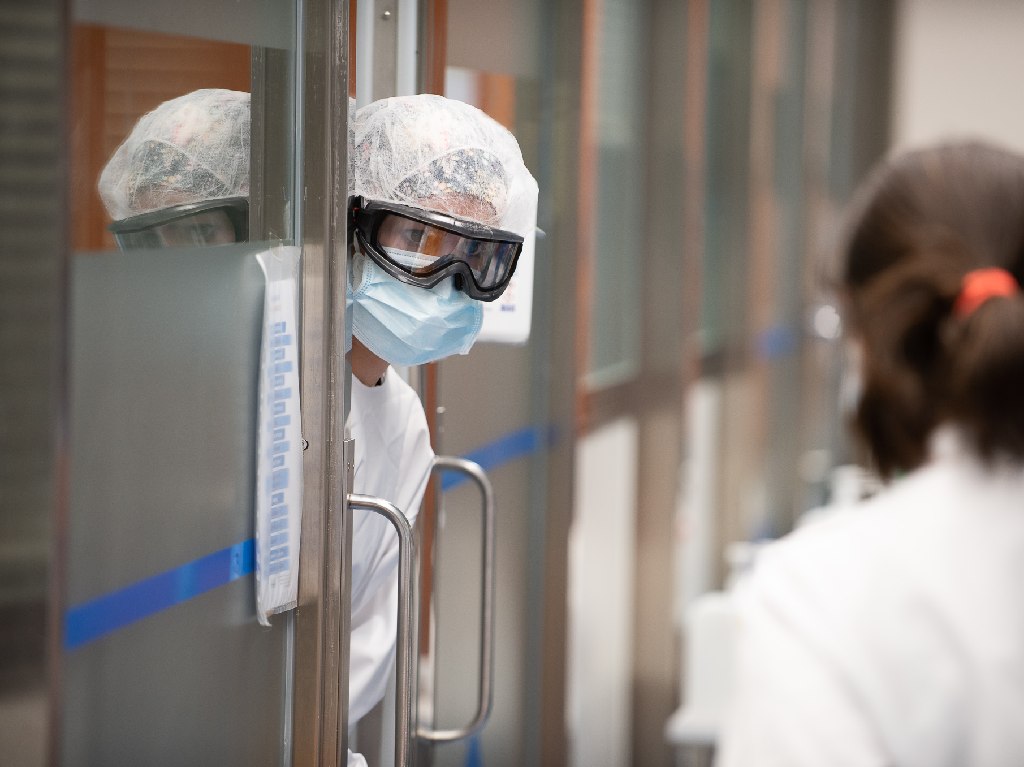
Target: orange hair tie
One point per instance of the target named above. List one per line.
(980, 285)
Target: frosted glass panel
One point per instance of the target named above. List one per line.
(164, 662)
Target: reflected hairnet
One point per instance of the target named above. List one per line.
(446, 156)
(189, 149)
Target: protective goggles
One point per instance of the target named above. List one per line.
(212, 222)
(423, 248)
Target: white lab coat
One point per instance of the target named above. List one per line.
(891, 634)
(393, 459)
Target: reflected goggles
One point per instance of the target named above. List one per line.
(211, 222)
(423, 248)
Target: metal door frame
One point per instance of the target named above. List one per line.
(320, 710)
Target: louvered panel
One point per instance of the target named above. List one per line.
(30, 229)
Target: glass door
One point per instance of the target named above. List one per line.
(206, 146)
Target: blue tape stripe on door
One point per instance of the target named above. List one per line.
(92, 620)
(110, 612)
(509, 447)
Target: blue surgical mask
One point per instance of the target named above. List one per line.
(408, 325)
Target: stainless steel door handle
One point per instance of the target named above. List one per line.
(405, 653)
(485, 699)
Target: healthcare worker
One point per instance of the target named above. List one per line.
(441, 203)
(893, 633)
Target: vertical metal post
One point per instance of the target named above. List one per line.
(432, 28)
(320, 720)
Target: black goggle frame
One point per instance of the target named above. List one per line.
(366, 217)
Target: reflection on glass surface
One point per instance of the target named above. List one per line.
(120, 76)
(213, 222)
(183, 169)
(129, 62)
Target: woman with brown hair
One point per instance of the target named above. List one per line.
(893, 634)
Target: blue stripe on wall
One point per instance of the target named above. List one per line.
(91, 620)
(509, 447)
(110, 612)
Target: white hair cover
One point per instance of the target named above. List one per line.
(189, 149)
(442, 155)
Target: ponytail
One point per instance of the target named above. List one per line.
(899, 317)
(986, 391)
